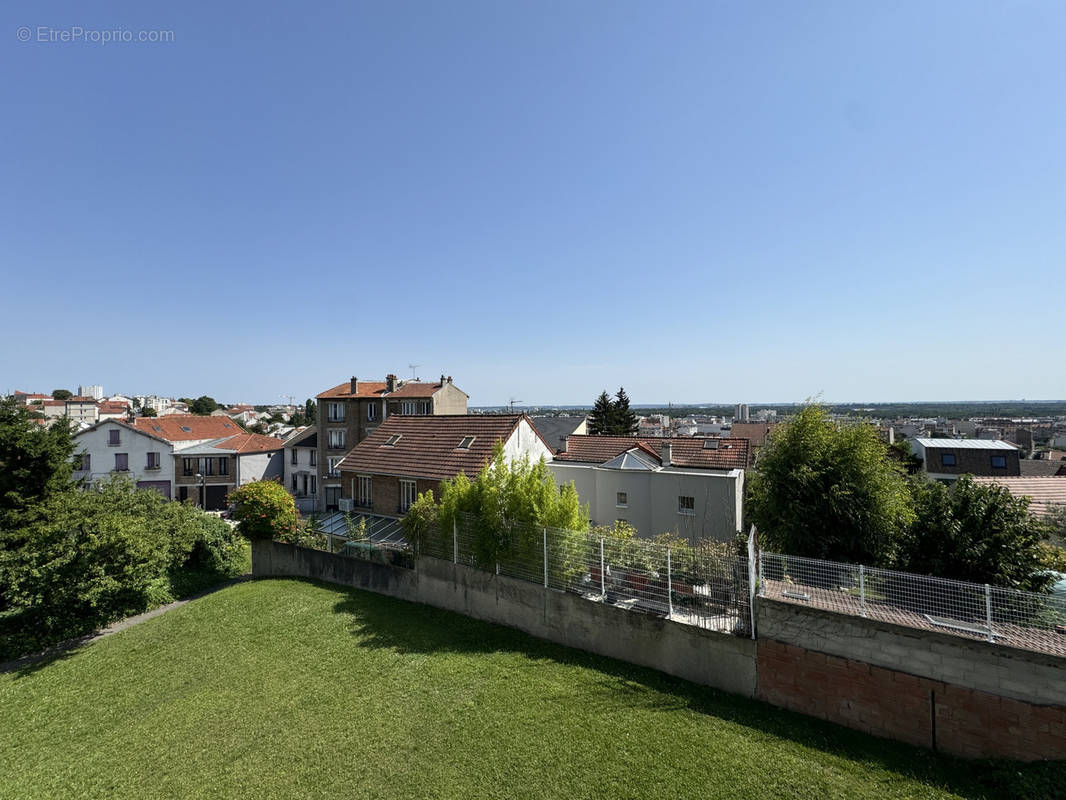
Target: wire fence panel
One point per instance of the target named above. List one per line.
(978, 611)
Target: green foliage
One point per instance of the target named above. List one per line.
(600, 419)
(304, 534)
(36, 462)
(149, 412)
(974, 532)
(612, 417)
(825, 490)
(203, 405)
(264, 510)
(1052, 557)
(1055, 525)
(62, 394)
(87, 558)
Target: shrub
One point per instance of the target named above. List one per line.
(264, 510)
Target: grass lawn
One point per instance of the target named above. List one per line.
(294, 689)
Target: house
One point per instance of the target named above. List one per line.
(693, 487)
(947, 459)
(556, 429)
(1033, 468)
(757, 434)
(407, 455)
(351, 411)
(110, 409)
(301, 468)
(181, 457)
(82, 408)
(1044, 493)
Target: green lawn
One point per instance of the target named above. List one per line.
(292, 689)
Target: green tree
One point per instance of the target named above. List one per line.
(149, 412)
(974, 532)
(623, 421)
(825, 490)
(35, 461)
(264, 510)
(601, 417)
(62, 394)
(203, 405)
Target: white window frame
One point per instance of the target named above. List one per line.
(363, 491)
(371, 411)
(337, 438)
(424, 407)
(408, 493)
(682, 505)
(408, 408)
(335, 412)
(334, 461)
(621, 499)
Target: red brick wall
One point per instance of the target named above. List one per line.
(900, 706)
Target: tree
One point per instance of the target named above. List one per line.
(149, 412)
(825, 490)
(623, 421)
(62, 394)
(600, 418)
(974, 532)
(264, 510)
(203, 405)
(35, 461)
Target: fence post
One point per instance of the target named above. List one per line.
(862, 589)
(455, 540)
(988, 611)
(669, 585)
(603, 579)
(545, 558)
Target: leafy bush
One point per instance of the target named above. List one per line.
(264, 510)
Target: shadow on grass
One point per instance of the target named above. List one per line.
(381, 622)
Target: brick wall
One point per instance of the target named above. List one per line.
(971, 461)
(385, 491)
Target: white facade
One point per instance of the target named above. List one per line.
(694, 504)
(253, 467)
(95, 392)
(104, 449)
(300, 465)
(525, 442)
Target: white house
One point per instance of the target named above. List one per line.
(112, 447)
(301, 468)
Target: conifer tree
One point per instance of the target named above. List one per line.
(601, 417)
(623, 421)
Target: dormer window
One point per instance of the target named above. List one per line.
(392, 440)
(466, 442)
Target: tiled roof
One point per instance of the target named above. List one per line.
(81, 399)
(428, 446)
(172, 427)
(685, 452)
(1043, 492)
(1031, 468)
(754, 432)
(109, 407)
(344, 390)
(964, 444)
(417, 389)
(251, 443)
(556, 429)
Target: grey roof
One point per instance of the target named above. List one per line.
(556, 429)
(966, 444)
(1032, 468)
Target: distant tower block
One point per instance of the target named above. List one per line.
(740, 412)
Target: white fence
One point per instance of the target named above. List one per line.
(979, 611)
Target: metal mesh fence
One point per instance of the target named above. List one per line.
(1006, 616)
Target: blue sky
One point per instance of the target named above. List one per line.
(705, 201)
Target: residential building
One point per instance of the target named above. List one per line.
(82, 409)
(301, 468)
(407, 455)
(741, 412)
(756, 433)
(114, 447)
(693, 487)
(353, 410)
(1044, 493)
(29, 398)
(110, 409)
(947, 459)
(206, 472)
(95, 392)
(554, 430)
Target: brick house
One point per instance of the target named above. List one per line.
(350, 412)
(947, 459)
(408, 455)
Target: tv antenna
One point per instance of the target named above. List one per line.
(513, 401)
(413, 367)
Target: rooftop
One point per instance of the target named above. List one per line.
(687, 452)
(1043, 492)
(966, 444)
(187, 427)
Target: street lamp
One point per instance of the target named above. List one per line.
(203, 492)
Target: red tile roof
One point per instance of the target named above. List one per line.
(755, 432)
(428, 446)
(417, 389)
(112, 407)
(685, 452)
(1043, 493)
(171, 427)
(251, 443)
(344, 391)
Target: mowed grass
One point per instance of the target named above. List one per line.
(294, 689)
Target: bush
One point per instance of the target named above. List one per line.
(264, 510)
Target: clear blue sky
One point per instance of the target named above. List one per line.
(705, 201)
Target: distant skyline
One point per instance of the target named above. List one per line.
(702, 201)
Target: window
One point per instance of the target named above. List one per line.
(686, 504)
(364, 489)
(621, 500)
(408, 494)
(423, 407)
(86, 463)
(223, 465)
(294, 459)
(466, 442)
(314, 485)
(336, 438)
(304, 480)
(187, 429)
(153, 461)
(372, 411)
(314, 458)
(188, 466)
(392, 440)
(122, 462)
(999, 462)
(947, 459)
(333, 496)
(710, 444)
(335, 412)
(333, 471)
(114, 437)
(294, 479)
(408, 407)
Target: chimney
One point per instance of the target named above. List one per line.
(566, 443)
(449, 379)
(442, 379)
(355, 385)
(390, 383)
(667, 452)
